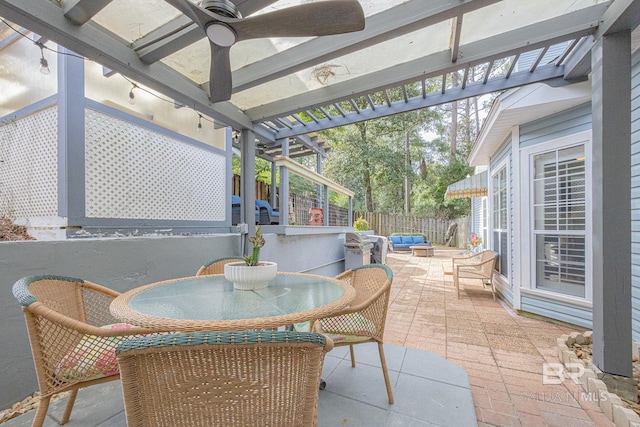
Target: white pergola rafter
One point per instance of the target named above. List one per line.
(541, 35)
(73, 28)
(48, 20)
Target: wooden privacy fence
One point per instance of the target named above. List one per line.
(434, 229)
(382, 224)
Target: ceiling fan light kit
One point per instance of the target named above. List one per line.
(221, 34)
(224, 25)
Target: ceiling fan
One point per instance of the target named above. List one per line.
(224, 25)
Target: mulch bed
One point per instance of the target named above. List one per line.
(10, 232)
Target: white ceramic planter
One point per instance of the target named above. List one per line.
(248, 278)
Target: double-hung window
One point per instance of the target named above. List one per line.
(559, 218)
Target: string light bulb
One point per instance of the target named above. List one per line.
(132, 96)
(199, 123)
(44, 64)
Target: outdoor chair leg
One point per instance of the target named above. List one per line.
(489, 282)
(383, 362)
(41, 413)
(353, 357)
(69, 407)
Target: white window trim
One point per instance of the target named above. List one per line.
(527, 273)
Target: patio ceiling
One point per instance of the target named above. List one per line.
(292, 87)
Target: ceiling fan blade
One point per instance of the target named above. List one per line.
(220, 75)
(305, 20)
(196, 14)
(248, 7)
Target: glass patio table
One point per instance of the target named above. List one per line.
(211, 303)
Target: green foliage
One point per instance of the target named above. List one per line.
(258, 242)
(360, 224)
(429, 191)
(263, 169)
(371, 158)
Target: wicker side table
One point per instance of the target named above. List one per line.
(421, 250)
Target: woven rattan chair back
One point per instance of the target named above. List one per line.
(203, 379)
(364, 320)
(68, 320)
(216, 266)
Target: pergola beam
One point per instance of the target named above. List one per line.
(620, 15)
(549, 73)
(397, 21)
(81, 11)
(555, 30)
(48, 20)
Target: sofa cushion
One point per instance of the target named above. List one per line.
(395, 240)
(407, 240)
(418, 239)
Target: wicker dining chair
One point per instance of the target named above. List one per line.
(72, 334)
(216, 266)
(202, 379)
(363, 321)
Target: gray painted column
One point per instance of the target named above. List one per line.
(611, 203)
(71, 138)
(284, 185)
(228, 143)
(319, 188)
(248, 183)
(273, 200)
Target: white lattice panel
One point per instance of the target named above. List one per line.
(133, 172)
(29, 165)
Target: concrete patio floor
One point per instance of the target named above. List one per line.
(431, 338)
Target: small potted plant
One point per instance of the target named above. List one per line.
(251, 273)
(475, 243)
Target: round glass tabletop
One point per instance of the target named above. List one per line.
(211, 302)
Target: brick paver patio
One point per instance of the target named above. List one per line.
(502, 352)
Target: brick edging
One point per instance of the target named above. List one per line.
(610, 403)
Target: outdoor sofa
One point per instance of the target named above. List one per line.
(404, 243)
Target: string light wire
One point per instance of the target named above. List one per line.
(42, 46)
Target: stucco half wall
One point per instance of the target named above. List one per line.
(125, 263)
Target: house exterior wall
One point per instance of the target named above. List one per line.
(568, 122)
(635, 196)
(503, 158)
(554, 127)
